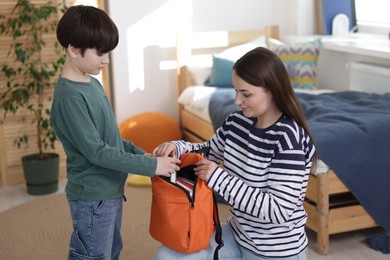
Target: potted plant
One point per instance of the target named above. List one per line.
(27, 81)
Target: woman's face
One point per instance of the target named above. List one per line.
(253, 100)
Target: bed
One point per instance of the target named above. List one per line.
(330, 205)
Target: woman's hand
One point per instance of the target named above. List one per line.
(204, 169)
(165, 149)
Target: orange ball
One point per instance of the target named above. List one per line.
(148, 130)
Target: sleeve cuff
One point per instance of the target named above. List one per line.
(216, 178)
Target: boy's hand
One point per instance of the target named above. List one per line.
(167, 165)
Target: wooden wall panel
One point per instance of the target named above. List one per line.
(11, 171)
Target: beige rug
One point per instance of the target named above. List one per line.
(40, 229)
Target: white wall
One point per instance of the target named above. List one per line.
(147, 40)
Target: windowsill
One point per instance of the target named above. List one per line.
(362, 44)
(372, 45)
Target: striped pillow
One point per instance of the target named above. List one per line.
(303, 56)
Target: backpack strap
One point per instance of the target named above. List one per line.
(218, 229)
(203, 151)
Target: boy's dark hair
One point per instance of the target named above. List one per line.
(87, 27)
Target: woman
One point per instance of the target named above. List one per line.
(267, 154)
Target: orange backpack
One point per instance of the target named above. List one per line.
(184, 213)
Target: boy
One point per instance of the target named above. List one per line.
(98, 159)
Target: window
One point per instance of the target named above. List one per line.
(373, 16)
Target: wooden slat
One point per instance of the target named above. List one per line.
(14, 175)
(349, 218)
(340, 219)
(335, 184)
(10, 156)
(190, 137)
(312, 188)
(196, 125)
(3, 161)
(311, 211)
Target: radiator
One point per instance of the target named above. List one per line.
(368, 77)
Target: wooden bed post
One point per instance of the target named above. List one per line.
(323, 214)
(183, 54)
(272, 31)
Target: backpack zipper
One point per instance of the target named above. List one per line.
(190, 199)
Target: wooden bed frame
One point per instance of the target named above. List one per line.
(330, 206)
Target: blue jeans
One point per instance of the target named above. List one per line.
(231, 251)
(96, 229)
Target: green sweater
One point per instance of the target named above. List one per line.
(98, 159)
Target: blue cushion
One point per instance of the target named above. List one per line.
(222, 69)
(221, 72)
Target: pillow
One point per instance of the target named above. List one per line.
(291, 70)
(222, 69)
(221, 72)
(303, 56)
(199, 68)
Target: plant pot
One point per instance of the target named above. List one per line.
(41, 174)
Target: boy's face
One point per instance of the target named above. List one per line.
(92, 62)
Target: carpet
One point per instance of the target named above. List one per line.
(40, 230)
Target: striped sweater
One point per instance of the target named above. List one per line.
(264, 180)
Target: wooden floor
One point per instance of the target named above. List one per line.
(345, 246)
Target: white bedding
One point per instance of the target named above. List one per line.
(196, 100)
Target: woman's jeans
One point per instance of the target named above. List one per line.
(96, 229)
(230, 251)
